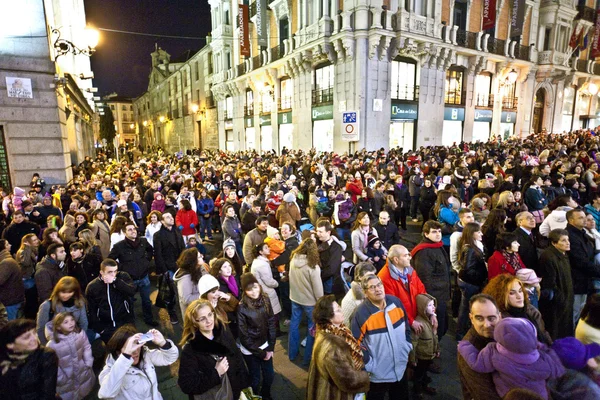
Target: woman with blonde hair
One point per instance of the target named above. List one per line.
(153, 225)
(210, 358)
(507, 202)
(90, 245)
(67, 231)
(66, 297)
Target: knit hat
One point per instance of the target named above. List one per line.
(372, 239)
(26, 203)
(289, 197)
(228, 243)
(517, 335)
(207, 283)
(156, 194)
(121, 203)
(528, 276)
(47, 196)
(340, 197)
(271, 232)
(247, 279)
(573, 353)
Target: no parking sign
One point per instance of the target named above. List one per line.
(350, 126)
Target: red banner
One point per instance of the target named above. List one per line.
(243, 25)
(596, 41)
(489, 14)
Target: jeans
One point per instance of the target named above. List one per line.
(328, 286)
(143, 286)
(13, 311)
(467, 291)
(294, 334)
(414, 202)
(344, 233)
(578, 303)
(255, 367)
(205, 227)
(395, 390)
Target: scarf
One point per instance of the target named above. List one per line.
(425, 245)
(232, 285)
(343, 332)
(365, 232)
(15, 360)
(512, 259)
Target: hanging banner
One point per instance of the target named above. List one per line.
(261, 22)
(596, 41)
(489, 14)
(243, 24)
(518, 17)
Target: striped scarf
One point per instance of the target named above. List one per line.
(343, 332)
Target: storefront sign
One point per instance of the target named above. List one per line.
(596, 41)
(249, 122)
(517, 17)
(489, 14)
(243, 33)
(509, 117)
(264, 120)
(261, 22)
(19, 88)
(322, 113)
(284, 118)
(350, 126)
(404, 111)
(483, 115)
(454, 114)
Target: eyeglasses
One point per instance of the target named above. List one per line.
(372, 288)
(204, 320)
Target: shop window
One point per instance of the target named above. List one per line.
(454, 86)
(249, 109)
(403, 81)
(323, 85)
(483, 86)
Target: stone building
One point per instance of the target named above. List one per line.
(177, 112)
(122, 110)
(45, 98)
(311, 73)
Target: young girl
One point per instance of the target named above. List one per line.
(375, 252)
(276, 247)
(516, 358)
(75, 376)
(425, 344)
(159, 203)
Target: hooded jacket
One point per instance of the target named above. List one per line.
(261, 269)
(426, 343)
(67, 231)
(394, 286)
(306, 286)
(48, 273)
(557, 219)
(11, 280)
(187, 290)
(351, 300)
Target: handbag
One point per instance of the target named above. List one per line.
(166, 292)
(222, 392)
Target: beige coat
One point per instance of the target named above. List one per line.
(101, 231)
(261, 269)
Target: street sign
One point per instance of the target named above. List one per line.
(350, 126)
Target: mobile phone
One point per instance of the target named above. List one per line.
(146, 337)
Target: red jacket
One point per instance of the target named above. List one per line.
(186, 219)
(498, 265)
(397, 288)
(355, 189)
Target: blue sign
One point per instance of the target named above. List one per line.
(508, 117)
(454, 114)
(404, 111)
(483, 115)
(349, 117)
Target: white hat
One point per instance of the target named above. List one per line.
(207, 283)
(271, 232)
(121, 203)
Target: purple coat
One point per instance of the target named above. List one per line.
(511, 370)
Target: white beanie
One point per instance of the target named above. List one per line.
(271, 232)
(207, 283)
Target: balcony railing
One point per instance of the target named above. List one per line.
(228, 114)
(484, 100)
(285, 103)
(582, 65)
(406, 92)
(496, 46)
(322, 96)
(522, 52)
(596, 69)
(586, 13)
(249, 110)
(453, 97)
(266, 107)
(277, 52)
(256, 62)
(510, 103)
(466, 39)
(240, 69)
(210, 102)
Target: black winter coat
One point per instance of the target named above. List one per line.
(402, 196)
(85, 269)
(427, 198)
(197, 372)
(15, 232)
(527, 249)
(105, 313)
(556, 304)
(474, 270)
(581, 257)
(133, 256)
(36, 378)
(256, 326)
(168, 245)
(433, 268)
(388, 234)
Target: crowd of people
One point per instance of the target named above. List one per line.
(242, 247)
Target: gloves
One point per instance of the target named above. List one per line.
(180, 227)
(192, 226)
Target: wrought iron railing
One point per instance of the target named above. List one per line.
(484, 100)
(582, 65)
(256, 62)
(322, 96)
(240, 69)
(466, 39)
(277, 52)
(249, 110)
(596, 69)
(586, 13)
(285, 103)
(522, 52)
(406, 92)
(496, 46)
(510, 103)
(453, 96)
(210, 101)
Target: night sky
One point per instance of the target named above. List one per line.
(122, 62)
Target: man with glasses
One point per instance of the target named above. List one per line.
(525, 236)
(400, 279)
(381, 327)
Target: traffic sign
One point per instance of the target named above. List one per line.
(350, 126)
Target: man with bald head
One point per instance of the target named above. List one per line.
(401, 280)
(525, 236)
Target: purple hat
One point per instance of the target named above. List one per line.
(517, 335)
(573, 353)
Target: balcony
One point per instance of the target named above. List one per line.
(496, 46)
(210, 102)
(582, 66)
(405, 92)
(240, 69)
(596, 69)
(466, 39)
(249, 110)
(266, 107)
(277, 52)
(453, 97)
(586, 13)
(522, 52)
(285, 103)
(322, 96)
(255, 62)
(510, 103)
(484, 100)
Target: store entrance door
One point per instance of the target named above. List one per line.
(538, 110)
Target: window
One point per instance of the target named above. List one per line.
(112, 107)
(229, 107)
(249, 102)
(454, 85)
(323, 89)
(403, 81)
(509, 100)
(483, 85)
(185, 78)
(266, 100)
(547, 32)
(209, 61)
(123, 107)
(287, 93)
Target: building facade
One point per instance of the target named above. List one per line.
(313, 73)
(177, 112)
(122, 111)
(45, 108)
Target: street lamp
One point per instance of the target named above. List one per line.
(91, 37)
(592, 88)
(131, 126)
(161, 119)
(145, 123)
(194, 108)
(512, 76)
